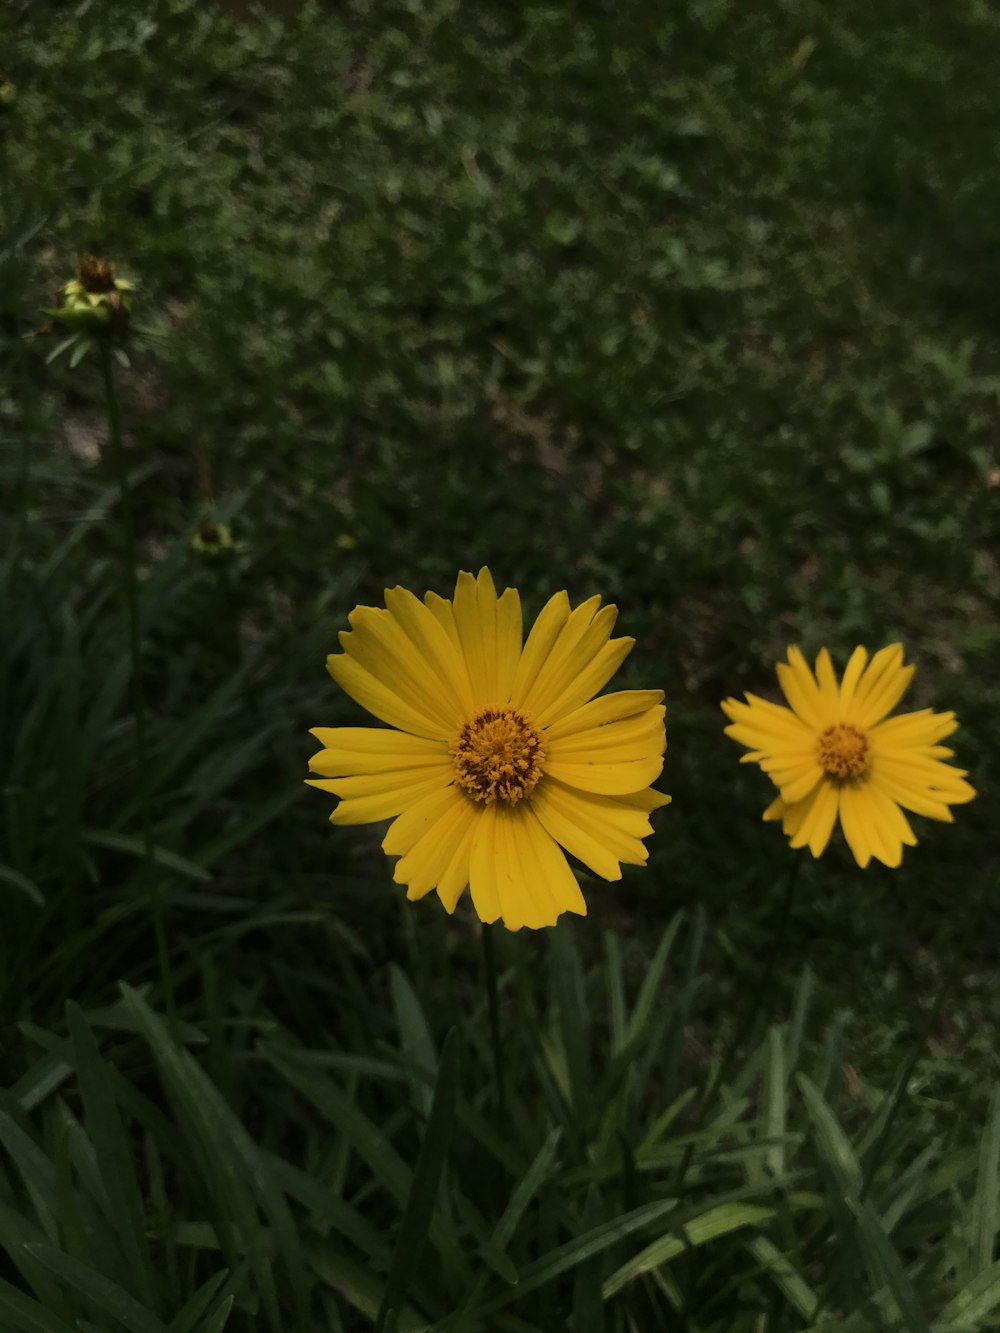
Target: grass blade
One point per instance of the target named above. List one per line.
(415, 1223)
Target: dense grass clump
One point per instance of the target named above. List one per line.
(695, 309)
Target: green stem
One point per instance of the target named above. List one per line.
(490, 962)
(131, 591)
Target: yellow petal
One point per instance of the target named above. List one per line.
(378, 643)
(800, 787)
(543, 864)
(577, 838)
(776, 810)
(763, 725)
(582, 635)
(604, 710)
(818, 819)
(881, 668)
(924, 727)
(433, 642)
(578, 820)
(352, 750)
(588, 680)
(482, 866)
(827, 682)
(541, 639)
(369, 809)
(489, 629)
(885, 696)
(855, 825)
(383, 701)
(414, 822)
(455, 878)
(432, 839)
(437, 774)
(852, 674)
(631, 738)
(802, 692)
(609, 779)
(911, 794)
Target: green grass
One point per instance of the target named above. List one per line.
(694, 309)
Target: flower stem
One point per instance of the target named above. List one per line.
(490, 962)
(131, 593)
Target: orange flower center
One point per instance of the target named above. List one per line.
(844, 752)
(498, 756)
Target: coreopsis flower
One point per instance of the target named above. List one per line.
(95, 301)
(496, 758)
(835, 753)
(213, 540)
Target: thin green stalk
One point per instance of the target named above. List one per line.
(490, 962)
(131, 591)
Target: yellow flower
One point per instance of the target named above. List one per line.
(95, 301)
(499, 755)
(213, 540)
(836, 752)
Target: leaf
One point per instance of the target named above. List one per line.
(975, 1301)
(886, 1267)
(781, 1269)
(582, 1247)
(240, 1171)
(833, 1144)
(27, 886)
(526, 1189)
(121, 842)
(113, 1153)
(23, 1315)
(418, 1047)
(107, 1295)
(415, 1224)
(588, 1304)
(708, 1226)
(987, 1197)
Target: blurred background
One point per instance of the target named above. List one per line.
(694, 307)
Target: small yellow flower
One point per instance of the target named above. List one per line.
(836, 753)
(496, 758)
(95, 301)
(213, 540)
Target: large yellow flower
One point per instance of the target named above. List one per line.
(836, 752)
(498, 755)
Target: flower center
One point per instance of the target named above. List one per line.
(96, 275)
(844, 752)
(498, 754)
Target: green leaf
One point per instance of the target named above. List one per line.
(781, 1269)
(715, 1222)
(415, 1035)
(525, 1190)
(110, 1298)
(582, 1247)
(121, 842)
(415, 1224)
(114, 1155)
(27, 886)
(588, 1304)
(23, 1315)
(987, 1197)
(833, 1144)
(977, 1299)
(238, 1170)
(886, 1267)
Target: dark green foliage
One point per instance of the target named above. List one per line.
(694, 307)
